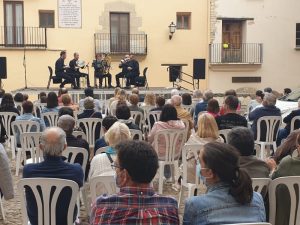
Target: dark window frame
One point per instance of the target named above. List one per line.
(297, 35)
(47, 12)
(182, 15)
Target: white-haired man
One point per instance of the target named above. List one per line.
(268, 109)
(53, 142)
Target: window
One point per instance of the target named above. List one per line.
(183, 20)
(297, 34)
(119, 32)
(46, 18)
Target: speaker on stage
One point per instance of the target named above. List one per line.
(3, 70)
(174, 73)
(199, 69)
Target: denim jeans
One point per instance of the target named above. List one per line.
(282, 134)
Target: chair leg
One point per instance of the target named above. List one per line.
(180, 195)
(262, 151)
(161, 178)
(18, 161)
(12, 147)
(2, 210)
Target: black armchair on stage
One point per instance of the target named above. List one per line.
(141, 81)
(55, 79)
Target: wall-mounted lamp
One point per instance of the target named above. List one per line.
(172, 29)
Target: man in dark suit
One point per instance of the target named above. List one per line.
(53, 142)
(283, 133)
(60, 70)
(74, 70)
(133, 71)
(124, 66)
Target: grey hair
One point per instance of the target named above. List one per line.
(67, 123)
(269, 99)
(53, 141)
(176, 100)
(208, 95)
(174, 92)
(197, 94)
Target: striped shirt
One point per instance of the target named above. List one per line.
(135, 206)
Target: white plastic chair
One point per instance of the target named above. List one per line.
(137, 117)
(272, 124)
(78, 133)
(19, 127)
(2, 209)
(108, 182)
(224, 134)
(187, 129)
(172, 143)
(155, 115)
(101, 150)
(293, 122)
(90, 125)
(261, 185)
(51, 117)
(194, 149)
(291, 183)
(47, 207)
(136, 134)
(37, 109)
(71, 153)
(30, 143)
(6, 118)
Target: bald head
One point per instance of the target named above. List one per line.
(176, 100)
(53, 141)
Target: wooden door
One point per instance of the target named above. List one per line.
(232, 41)
(119, 32)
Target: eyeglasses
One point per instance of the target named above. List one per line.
(114, 166)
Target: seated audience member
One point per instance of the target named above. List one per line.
(134, 100)
(168, 120)
(107, 122)
(89, 112)
(67, 123)
(227, 93)
(242, 139)
(6, 181)
(89, 92)
(8, 105)
(65, 111)
(61, 92)
(231, 119)
(257, 102)
(197, 97)
(202, 106)
(268, 90)
(207, 132)
(173, 92)
(268, 109)
(121, 98)
(136, 166)
(124, 116)
(43, 99)
(25, 97)
(186, 99)
(213, 108)
(160, 102)
(288, 166)
(53, 142)
(101, 163)
(230, 198)
(52, 105)
(18, 98)
(286, 91)
(182, 114)
(42, 95)
(67, 102)
(284, 132)
(115, 97)
(137, 92)
(2, 92)
(149, 100)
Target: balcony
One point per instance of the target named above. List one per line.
(238, 54)
(23, 37)
(121, 43)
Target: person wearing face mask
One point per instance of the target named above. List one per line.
(230, 198)
(136, 203)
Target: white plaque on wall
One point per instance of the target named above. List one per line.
(69, 13)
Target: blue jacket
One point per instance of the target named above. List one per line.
(52, 167)
(260, 112)
(200, 107)
(219, 207)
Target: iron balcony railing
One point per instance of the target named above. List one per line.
(23, 37)
(243, 53)
(121, 43)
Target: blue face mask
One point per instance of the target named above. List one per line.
(198, 172)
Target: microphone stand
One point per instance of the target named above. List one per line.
(25, 72)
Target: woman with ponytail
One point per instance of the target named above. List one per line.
(230, 198)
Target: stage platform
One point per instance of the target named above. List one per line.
(103, 93)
